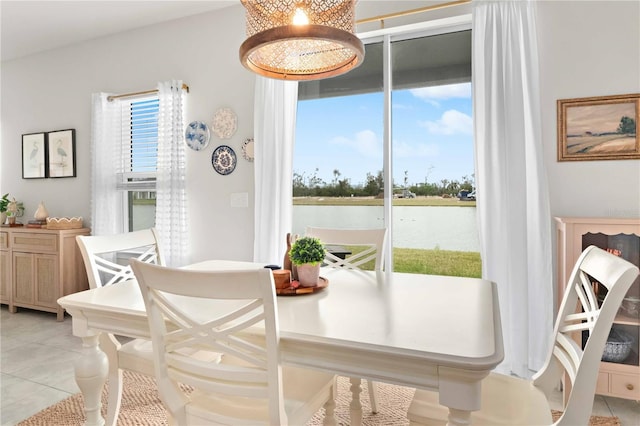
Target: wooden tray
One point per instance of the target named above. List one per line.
(295, 291)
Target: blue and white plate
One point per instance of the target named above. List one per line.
(197, 135)
(224, 160)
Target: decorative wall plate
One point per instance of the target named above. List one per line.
(225, 123)
(247, 149)
(224, 160)
(197, 135)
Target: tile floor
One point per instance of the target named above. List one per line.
(36, 368)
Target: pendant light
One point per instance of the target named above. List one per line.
(300, 40)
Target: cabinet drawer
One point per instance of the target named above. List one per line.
(39, 243)
(625, 385)
(4, 240)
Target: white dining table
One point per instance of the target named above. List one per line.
(423, 331)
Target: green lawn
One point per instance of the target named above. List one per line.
(432, 262)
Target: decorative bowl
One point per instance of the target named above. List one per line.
(618, 346)
(64, 222)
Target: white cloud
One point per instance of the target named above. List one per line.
(405, 150)
(452, 122)
(449, 91)
(365, 142)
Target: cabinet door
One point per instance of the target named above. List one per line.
(45, 275)
(23, 288)
(5, 276)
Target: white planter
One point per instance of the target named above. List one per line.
(308, 274)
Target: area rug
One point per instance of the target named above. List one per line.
(141, 406)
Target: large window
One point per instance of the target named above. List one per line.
(138, 177)
(340, 167)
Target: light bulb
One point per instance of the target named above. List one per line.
(300, 17)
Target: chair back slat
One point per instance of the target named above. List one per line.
(101, 254)
(244, 330)
(372, 239)
(577, 354)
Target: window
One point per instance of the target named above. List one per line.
(140, 158)
(340, 167)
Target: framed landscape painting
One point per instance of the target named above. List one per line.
(34, 156)
(62, 153)
(599, 128)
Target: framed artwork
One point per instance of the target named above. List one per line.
(599, 128)
(34, 156)
(62, 153)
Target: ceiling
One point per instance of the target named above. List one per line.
(28, 27)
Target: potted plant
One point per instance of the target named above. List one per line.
(7, 206)
(307, 254)
(4, 203)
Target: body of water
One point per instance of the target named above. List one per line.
(420, 227)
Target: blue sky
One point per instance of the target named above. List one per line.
(431, 134)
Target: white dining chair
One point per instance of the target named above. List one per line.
(106, 260)
(248, 386)
(372, 240)
(513, 401)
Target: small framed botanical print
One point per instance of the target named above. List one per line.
(62, 153)
(34, 156)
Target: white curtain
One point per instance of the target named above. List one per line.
(171, 199)
(106, 154)
(274, 126)
(513, 204)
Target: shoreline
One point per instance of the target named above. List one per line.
(429, 201)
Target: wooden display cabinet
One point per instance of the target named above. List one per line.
(620, 236)
(38, 266)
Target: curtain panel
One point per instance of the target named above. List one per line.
(513, 203)
(106, 154)
(274, 126)
(171, 195)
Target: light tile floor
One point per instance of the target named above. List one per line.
(36, 368)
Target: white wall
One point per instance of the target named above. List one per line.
(53, 90)
(586, 49)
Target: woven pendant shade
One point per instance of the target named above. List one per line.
(300, 40)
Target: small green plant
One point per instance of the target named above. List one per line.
(4, 206)
(4, 203)
(307, 250)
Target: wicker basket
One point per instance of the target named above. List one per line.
(64, 222)
(618, 346)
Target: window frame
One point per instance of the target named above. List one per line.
(386, 37)
(147, 179)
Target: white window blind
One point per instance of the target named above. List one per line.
(139, 138)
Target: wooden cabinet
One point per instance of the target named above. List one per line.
(622, 237)
(39, 266)
(5, 269)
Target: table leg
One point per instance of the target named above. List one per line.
(460, 390)
(355, 411)
(458, 417)
(91, 373)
